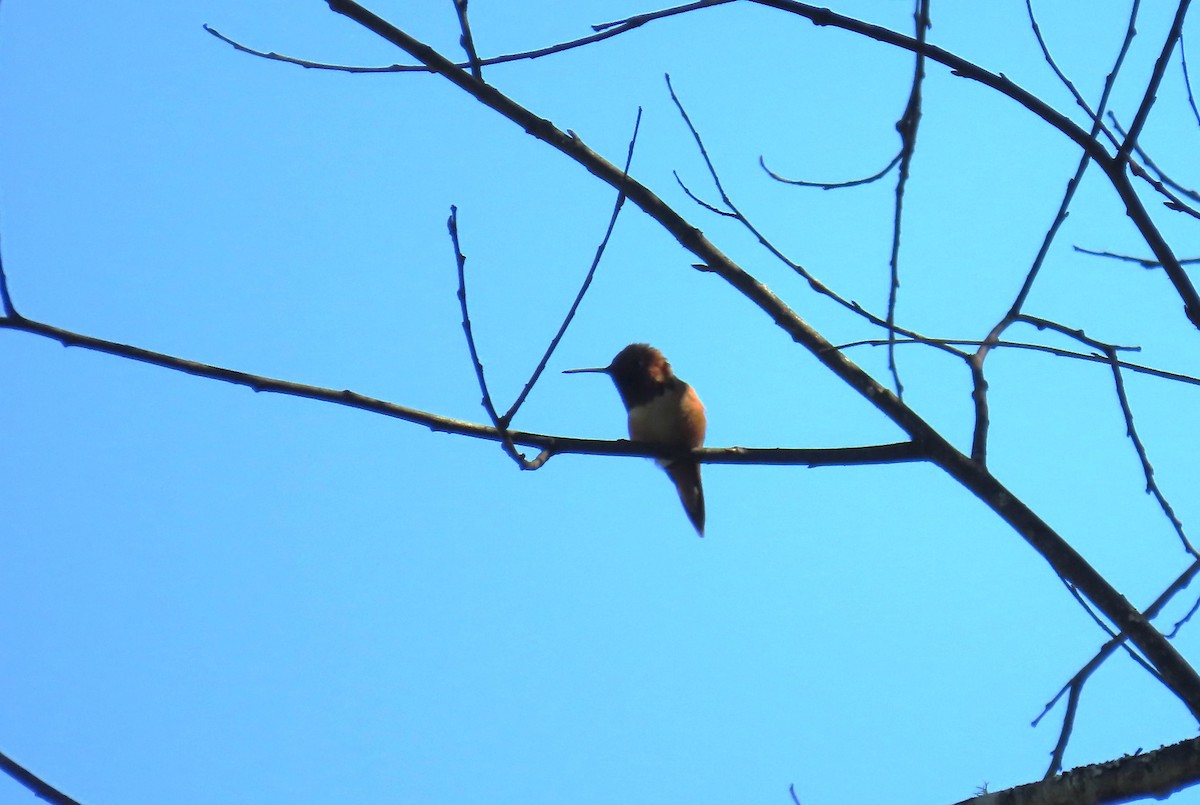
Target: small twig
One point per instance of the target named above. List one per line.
(1110, 352)
(6, 302)
(832, 185)
(1055, 351)
(712, 171)
(1163, 185)
(979, 398)
(1187, 79)
(1160, 181)
(460, 260)
(1064, 733)
(1087, 607)
(706, 205)
(1085, 158)
(1144, 262)
(639, 19)
(38, 786)
(587, 282)
(466, 40)
(1180, 623)
(1156, 77)
(907, 127)
(1152, 487)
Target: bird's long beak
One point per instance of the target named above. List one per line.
(600, 370)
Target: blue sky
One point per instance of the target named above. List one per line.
(211, 595)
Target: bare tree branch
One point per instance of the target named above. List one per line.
(6, 301)
(1142, 261)
(1156, 77)
(1110, 352)
(1150, 774)
(1075, 689)
(587, 280)
(811, 457)
(874, 177)
(604, 31)
(1074, 686)
(1187, 78)
(1159, 175)
(460, 260)
(1096, 116)
(1049, 350)
(1154, 176)
(979, 385)
(1113, 167)
(907, 126)
(39, 787)
(466, 40)
(733, 211)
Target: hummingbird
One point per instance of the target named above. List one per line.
(665, 410)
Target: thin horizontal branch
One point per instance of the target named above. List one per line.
(800, 456)
(603, 31)
(874, 177)
(1144, 262)
(1056, 351)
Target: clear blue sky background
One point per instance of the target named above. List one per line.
(212, 596)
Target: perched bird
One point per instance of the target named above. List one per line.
(663, 409)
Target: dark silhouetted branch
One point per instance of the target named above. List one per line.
(733, 211)
(810, 457)
(1113, 167)
(979, 385)
(1096, 116)
(1141, 261)
(604, 31)
(907, 127)
(587, 281)
(1110, 352)
(1151, 92)
(39, 787)
(460, 261)
(1074, 687)
(1146, 774)
(6, 301)
(466, 40)
(1187, 78)
(874, 177)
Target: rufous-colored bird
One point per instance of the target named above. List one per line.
(665, 410)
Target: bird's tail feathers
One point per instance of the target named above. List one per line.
(686, 475)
